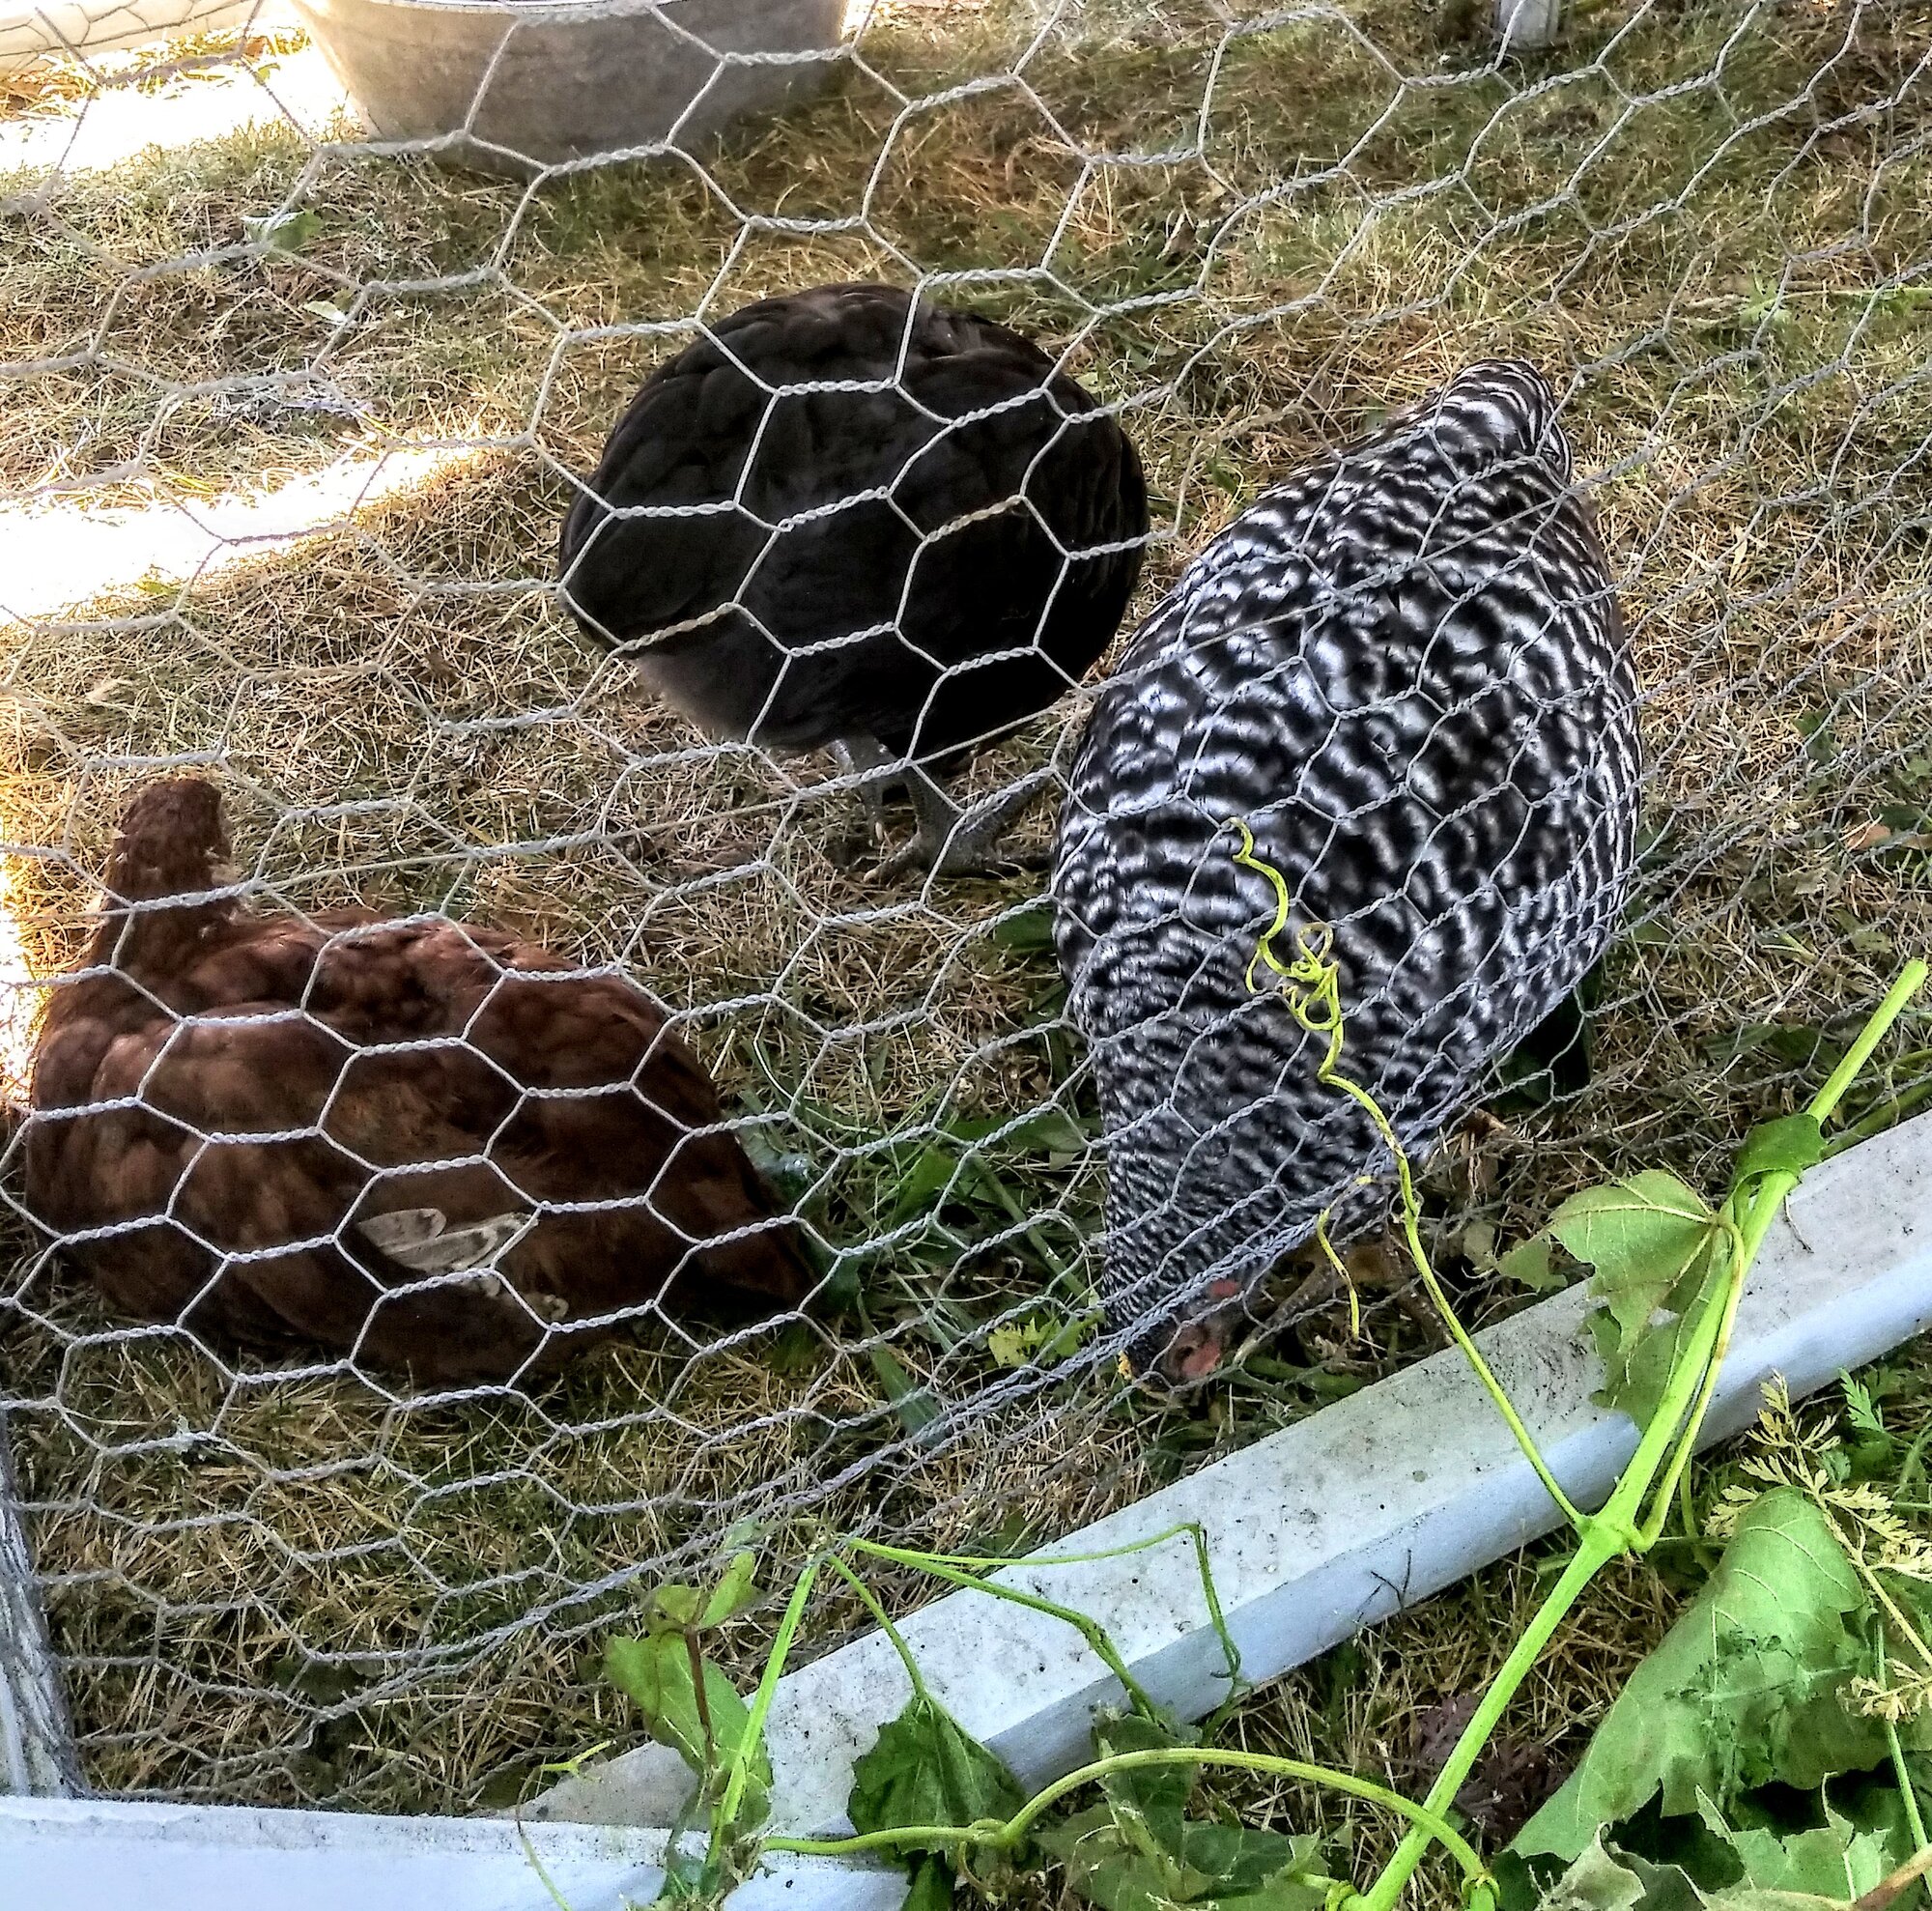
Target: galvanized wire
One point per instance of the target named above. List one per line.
(299, 411)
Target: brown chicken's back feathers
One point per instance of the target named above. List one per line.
(222, 1101)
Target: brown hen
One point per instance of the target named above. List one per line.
(424, 1145)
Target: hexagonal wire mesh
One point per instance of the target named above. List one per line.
(294, 417)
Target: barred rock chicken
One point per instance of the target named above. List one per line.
(845, 520)
(1404, 671)
(428, 1146)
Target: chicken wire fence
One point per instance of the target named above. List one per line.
(294, 417)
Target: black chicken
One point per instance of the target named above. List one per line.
(1404, 671)
(848, 519)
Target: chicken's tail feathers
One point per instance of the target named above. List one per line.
(170, 839)
(159, 876)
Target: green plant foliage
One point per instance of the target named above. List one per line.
(1595, 1882)
(932, 1887)
(287, 232)
(1657, 1248)
(1832, 1860)
(1138, 1850)
(1528, 1262)
(1603, 1880)
(1778, 1684)
(914, 1404)
(925, 1769)
(659, 1674)
(1787, 1146)
(1748, 1688)
(688, 1608)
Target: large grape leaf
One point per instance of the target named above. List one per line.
(924, 1768)
(1606, 1879)
(1656, 1247)
(1831, 1859)
(1745, 1690)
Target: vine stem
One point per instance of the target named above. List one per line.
(724, 1823)
(978, 1563)
(1614, 1531)
(1004, 1835)
(1471, 1352)
(1761, 1208)
(1896, 1752)
(1091, 1630)
(883, 1621)
(1312, 989)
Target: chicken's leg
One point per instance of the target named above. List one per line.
(956, 842)
(862, 756)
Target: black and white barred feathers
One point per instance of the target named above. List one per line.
(1406, 670)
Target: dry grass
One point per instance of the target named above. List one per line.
(1714, 221)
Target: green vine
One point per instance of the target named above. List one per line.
(931, 1795)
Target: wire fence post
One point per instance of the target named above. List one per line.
(1524, 24)
(37, 1755)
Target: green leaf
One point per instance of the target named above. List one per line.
(1656, 1249)
(1746, 1689)
(932, 1887)
(734, 1592)
(931, 1172)
(1794, 1043)
(1816, 728)
(914, 1404)
(925, 1769)
(1637, 1367)
(1859, 1407)
(1212, 1868)
(1038, 1340)
(1026, 929)
(1602, 1880)
(1061, 1138)
(655, 1673)
(1642, 1236)
(1529, 1264)
(1014, 1345)
(1139, 1851)
(1159, 1793)
(286, 232)
(1479, 1244)
(674, 1608)
(1108, 1870)
(1789, 1145)
(1595, 1882)
(1828, 1861)
(1806, 1870)
(1751, 1898)
(687, 1879)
